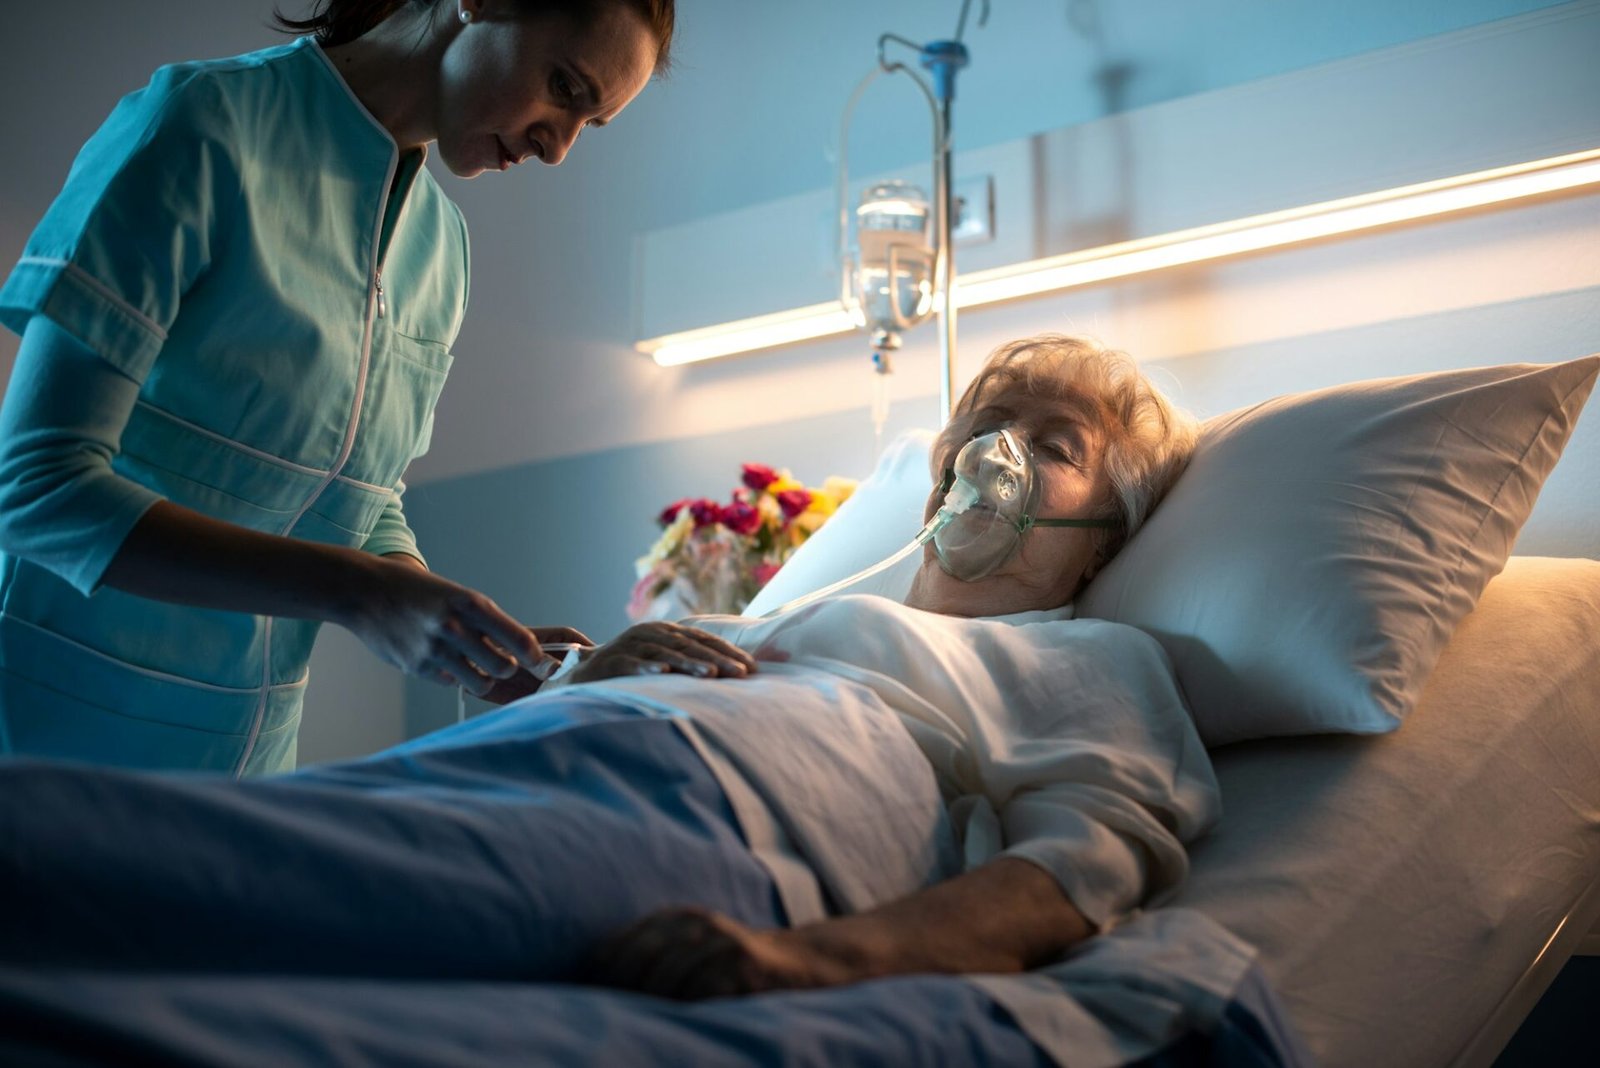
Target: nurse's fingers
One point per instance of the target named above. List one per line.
(457, 642)
(490, 621)
(456, 671)
(562, 635)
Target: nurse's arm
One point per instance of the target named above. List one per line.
(64, 507)
(419, 622)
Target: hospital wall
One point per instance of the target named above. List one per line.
(556, 442)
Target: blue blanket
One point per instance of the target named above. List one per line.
(432, 905)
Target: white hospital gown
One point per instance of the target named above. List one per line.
(891, 748)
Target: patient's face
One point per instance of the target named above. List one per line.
(1068, 451)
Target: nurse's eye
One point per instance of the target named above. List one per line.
(564, 88)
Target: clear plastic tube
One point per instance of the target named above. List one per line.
(962, 496)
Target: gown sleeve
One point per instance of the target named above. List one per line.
(1093, 770)
(392, 534)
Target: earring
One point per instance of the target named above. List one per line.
(466, 16)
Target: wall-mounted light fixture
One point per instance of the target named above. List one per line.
(1254, 233)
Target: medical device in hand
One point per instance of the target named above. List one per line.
(557, 650)
(991, 497)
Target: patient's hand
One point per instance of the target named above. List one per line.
(657, 648)
(688, 954)
(1007, 916)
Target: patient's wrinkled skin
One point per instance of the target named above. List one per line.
(659, 647)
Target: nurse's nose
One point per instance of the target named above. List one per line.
(559, 140)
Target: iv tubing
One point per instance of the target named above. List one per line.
(961, 497)
(816, 595)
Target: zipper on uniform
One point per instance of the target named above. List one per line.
(383, 303)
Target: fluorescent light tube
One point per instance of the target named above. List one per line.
(1251, 234)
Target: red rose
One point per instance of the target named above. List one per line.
(758, 476)
(794, 501)
(741, 518)
(705, 512)
(763, 573)
(670, 513)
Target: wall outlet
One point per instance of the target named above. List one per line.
(974, 211)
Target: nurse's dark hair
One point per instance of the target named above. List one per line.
(336, 22)
(1147, 439)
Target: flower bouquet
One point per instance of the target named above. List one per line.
(712, 558)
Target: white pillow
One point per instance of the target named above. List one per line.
(1310, 564)
(882, 515)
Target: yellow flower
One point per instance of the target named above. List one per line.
(784, 482)
(821, 504)
(667, 544)
(804, 525)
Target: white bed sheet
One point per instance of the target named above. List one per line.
(1398, 886)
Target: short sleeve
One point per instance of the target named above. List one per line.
(392, 534)
(136, 223)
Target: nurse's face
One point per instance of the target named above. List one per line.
(1068, 451)
(515, 87)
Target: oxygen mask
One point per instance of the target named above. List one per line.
(990, 500)
(991, 493)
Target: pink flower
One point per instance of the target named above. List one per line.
(741, 518)
(644, 591)
(758, 476)
(705, 511)
(670, 512)
(794, 501)
(763, 573)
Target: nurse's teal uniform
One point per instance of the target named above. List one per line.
(243, 241)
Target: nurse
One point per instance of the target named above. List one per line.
(236, 319)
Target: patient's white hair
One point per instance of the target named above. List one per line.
(1147, 439)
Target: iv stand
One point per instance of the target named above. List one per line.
(942, 59)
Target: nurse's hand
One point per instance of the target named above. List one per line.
(429, 626)
(658, 648)
(525, 682)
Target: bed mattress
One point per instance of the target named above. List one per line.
(1399, 886)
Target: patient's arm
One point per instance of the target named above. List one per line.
(1007, 916)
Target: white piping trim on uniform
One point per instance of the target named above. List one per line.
(267, 457)
(361, 387)
(152, 672)
(261, 705)
(105, 291)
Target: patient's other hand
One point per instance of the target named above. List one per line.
(689, 954)
(657, 648)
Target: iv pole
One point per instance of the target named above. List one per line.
(943, 59)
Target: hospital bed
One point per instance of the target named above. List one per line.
(1411, 892)
(1412, 895)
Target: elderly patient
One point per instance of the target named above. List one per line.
(971, 781)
